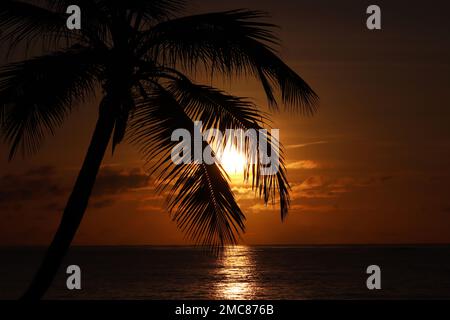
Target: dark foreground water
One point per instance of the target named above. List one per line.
(293, 272)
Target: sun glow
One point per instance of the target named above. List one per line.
(233, 161)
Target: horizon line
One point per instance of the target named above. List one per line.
(244, 245)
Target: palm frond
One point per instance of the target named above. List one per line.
(154, 11)
(222, 111)
(200, 198)
(215, 108)
(36, 95)
(234, 43)
(203, 205)
(20, 21)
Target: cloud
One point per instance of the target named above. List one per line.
(34, 185)
(303, 164)
(45, 189)
(244, 192)
(112, 181)
(329, 187)
(313, 208)
(263, 207)
(42, 171)
(52, 206)
(115, 184)
(102, 203)
(302, 145)
(313, 182)
(299, 208)
(386, 178)
(151, 208)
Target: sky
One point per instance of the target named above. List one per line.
(372, 166)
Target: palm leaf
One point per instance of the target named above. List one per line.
(36, 95)
(21, 21)
(200, 198)
(202, 102)
(222, 111)
(151, 11)
(234, 43)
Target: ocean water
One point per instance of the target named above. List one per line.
(244, 272)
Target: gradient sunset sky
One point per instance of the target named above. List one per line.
(373, 166)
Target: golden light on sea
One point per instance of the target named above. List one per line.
(236, 275)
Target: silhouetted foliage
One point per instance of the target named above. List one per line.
(144, 58)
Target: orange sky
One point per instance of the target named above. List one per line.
(373, 166)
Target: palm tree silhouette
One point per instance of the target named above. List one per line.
(142, 57)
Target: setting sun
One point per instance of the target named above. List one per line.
(233, 161)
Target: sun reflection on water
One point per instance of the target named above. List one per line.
(236, 275)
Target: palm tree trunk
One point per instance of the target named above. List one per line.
(76, 205)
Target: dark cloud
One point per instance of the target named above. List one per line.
(43, 188)
(111, 181)
(328, 187)
(36, 184)
(41, 171)
(386, 178)
(53, 206)
(103, 203)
